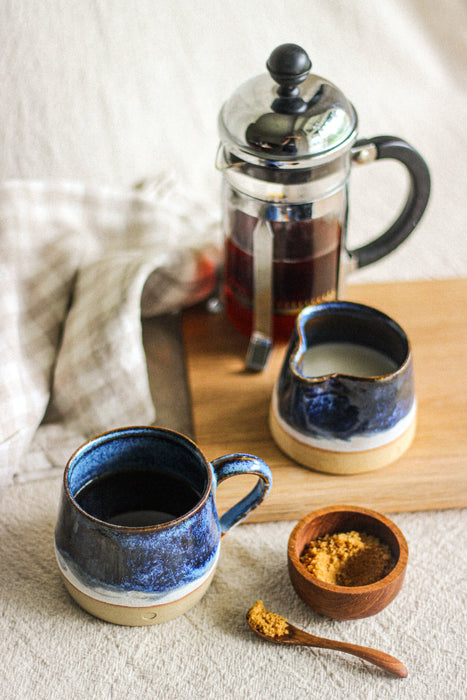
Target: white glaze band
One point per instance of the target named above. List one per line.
(133, 599)
(357, 443)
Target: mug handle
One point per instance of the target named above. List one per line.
(377, 148)
(232, 465)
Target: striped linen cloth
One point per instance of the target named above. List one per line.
(79, 266)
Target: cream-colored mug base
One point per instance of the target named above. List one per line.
(335, 462)
(137, 616)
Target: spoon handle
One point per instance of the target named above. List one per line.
(378, 658)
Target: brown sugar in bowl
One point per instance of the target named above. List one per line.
(346, 602)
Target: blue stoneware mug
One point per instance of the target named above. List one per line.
(344, 401)
(138, 535)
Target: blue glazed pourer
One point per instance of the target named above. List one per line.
(330, 414)
(135, 572)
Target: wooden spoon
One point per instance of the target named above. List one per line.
(297, 637)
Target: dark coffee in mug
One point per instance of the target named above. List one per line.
(137, 497)
(138, 533)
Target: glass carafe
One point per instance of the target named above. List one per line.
(286, 153)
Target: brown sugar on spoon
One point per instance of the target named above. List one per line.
(348, 558)
(269, 623)
(277, 629)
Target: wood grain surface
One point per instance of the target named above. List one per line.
(230, 409)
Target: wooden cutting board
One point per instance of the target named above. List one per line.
(230, 409)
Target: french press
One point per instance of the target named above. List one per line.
(288, 139)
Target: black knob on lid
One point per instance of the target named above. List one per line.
(289, 66)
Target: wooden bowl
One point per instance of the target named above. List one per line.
(345, 602)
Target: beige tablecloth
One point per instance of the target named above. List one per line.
(109, 93)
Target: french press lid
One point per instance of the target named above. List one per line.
(287, 118)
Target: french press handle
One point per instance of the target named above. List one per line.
(377, 148)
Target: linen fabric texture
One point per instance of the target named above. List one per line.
(79, 266)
